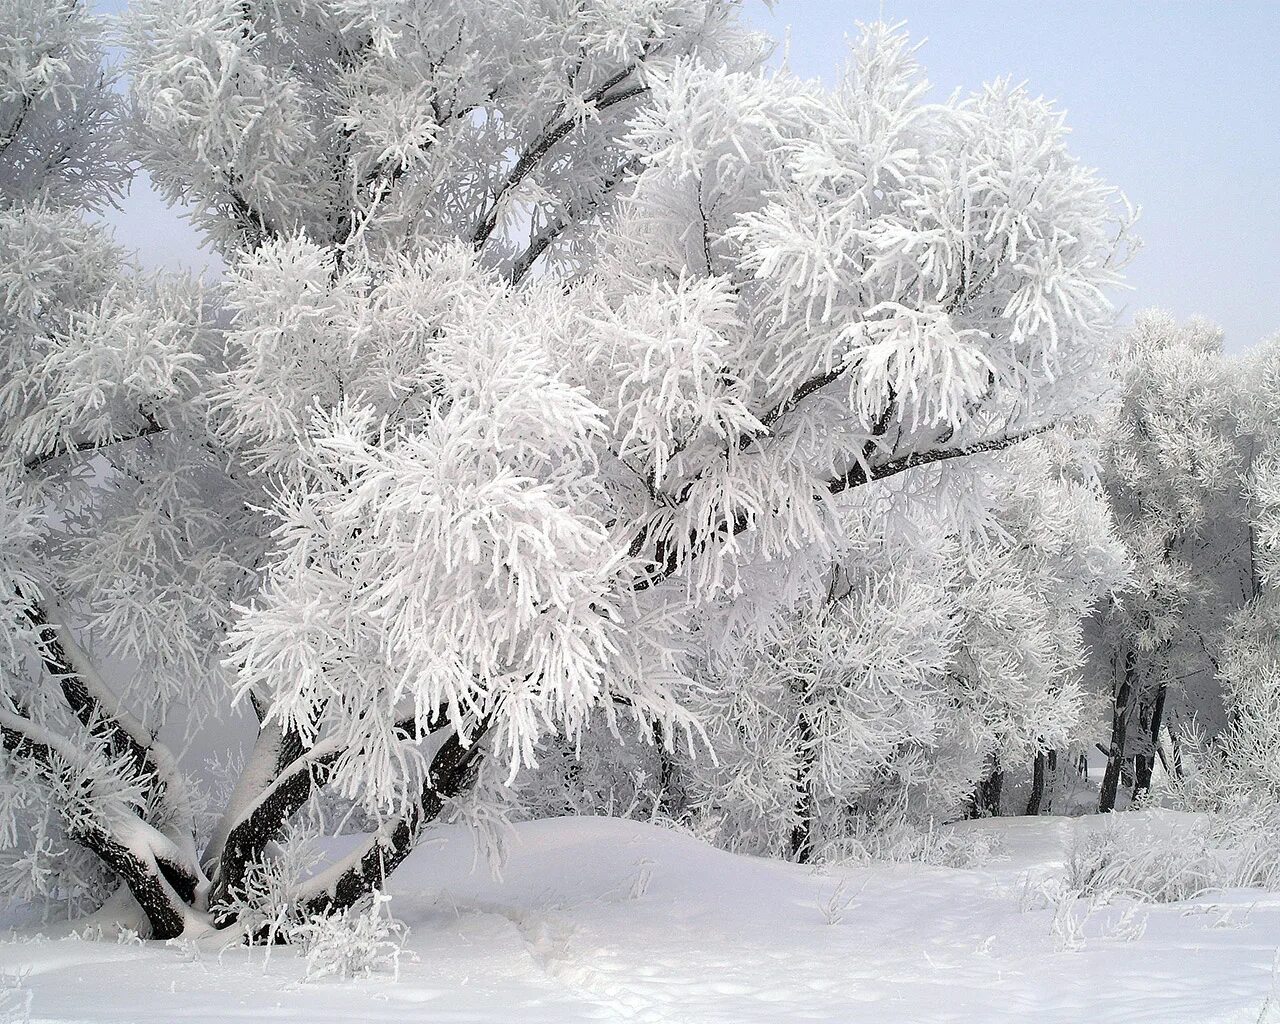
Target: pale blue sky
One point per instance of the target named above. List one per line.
(1178, 103)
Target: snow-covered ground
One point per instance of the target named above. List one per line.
(606, 920)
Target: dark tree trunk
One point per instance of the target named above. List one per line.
(1038, 772)
(802, 832)
(250, 837)
(452, 770)
(1146, 761)
(147, 878)
(986, 799)
(1120, 713)
(671, 797)
(1175, 754)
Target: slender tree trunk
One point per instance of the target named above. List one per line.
(1120, 713)
(1038, 771)
(802, 832)
(1053, 781)
(1175, 754)
(671, 795)
(1146, 762)
(986, 798)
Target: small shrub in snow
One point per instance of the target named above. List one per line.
(264, 906)
(1068, 922)
(1131, 925)
(838, 903)
(904, 841)
(1210, 851)
(15, 997)
(1162, 869)
(359, 942)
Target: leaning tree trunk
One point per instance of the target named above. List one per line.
(1146, 761)
(1120, 714)
(452, 770)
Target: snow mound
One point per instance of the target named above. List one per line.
(599, 919)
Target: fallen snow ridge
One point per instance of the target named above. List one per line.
(605, 920)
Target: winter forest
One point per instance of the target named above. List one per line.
(622, 530)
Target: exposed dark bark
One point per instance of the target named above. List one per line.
(860, 474)
(802, 839)
(524, 262)
(1122, 709)
(1146, 761)
(146, 879)
(452, 770)
(986, 798)
(1175, 754)
(249, 838)
(100, 723)
(665, 560)
(118, 744)
(671, 794)
(147, 882)
(150, 426)
(600, 98)
(298, 773)
(1038, 772)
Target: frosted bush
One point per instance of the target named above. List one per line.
(905, 841)
(1213, 851)
(15, 997)
(265, 905)
(361, 941)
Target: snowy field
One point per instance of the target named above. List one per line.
(606, 920)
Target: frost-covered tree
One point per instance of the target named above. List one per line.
(96, 362)
(871, 283)
(547, 329)
(1172, 459)
(945, 644)
(1240, 768)
(367, 171)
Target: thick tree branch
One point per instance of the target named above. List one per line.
(546, 141)
(99, 711)
(666, 560)
(144, 860)
(802, 392)
(525, 261)
(861, 474)
(366, 869)
(147, 881)
(264, 819)
(151, 427)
